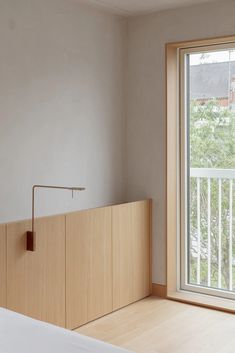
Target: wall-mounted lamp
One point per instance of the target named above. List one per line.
(30, 245)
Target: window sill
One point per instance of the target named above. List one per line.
(203, 300)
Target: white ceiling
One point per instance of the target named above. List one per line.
(137, 7)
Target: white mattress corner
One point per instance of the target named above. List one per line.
(21, 334)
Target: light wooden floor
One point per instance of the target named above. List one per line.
(161, 326)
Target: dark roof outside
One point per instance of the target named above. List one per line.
(210, 80)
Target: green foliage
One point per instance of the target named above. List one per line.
(212, 136)
(212, 145)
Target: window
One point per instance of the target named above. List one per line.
(207, 170)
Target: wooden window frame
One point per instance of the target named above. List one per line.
(173, 99)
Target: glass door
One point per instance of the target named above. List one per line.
(207, 115)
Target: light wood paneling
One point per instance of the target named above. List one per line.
(122, 256)
(131, 252)
(172, 168)
(36, 280)
(84, 263)
(100, 270)
(88, 265)
(140, 218)
(3, 265)
(77, 270)
(156, 325)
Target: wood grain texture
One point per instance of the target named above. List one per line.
(88, 265)
(159, 290)
(84, 261)
(206, 301)
(131, 252)
(155, 325)
(172, 168)
(3, 265)
(100, 264)
(36, 280)
(202, 42)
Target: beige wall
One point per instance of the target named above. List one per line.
(63, 104)
(62, 118)
(146, 120)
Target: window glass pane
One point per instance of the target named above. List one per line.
(211, 169)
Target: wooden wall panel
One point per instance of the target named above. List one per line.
(36, 280)
(131, 252)
(122, 256)
(100, 270)
(3, 265)
(77, 267)
(141, 240)
(88, 265)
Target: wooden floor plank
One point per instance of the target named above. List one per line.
(156, 325)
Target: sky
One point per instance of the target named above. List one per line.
(212, 57)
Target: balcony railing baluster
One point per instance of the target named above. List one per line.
(209, 231)
(230, 234)
(198, 231)
(219, 237)
(223, 226)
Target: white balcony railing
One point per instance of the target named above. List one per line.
(213, 188)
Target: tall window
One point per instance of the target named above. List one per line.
(207, 158)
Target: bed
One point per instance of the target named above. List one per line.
(21, 334)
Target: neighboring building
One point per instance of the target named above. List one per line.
(213, 81)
